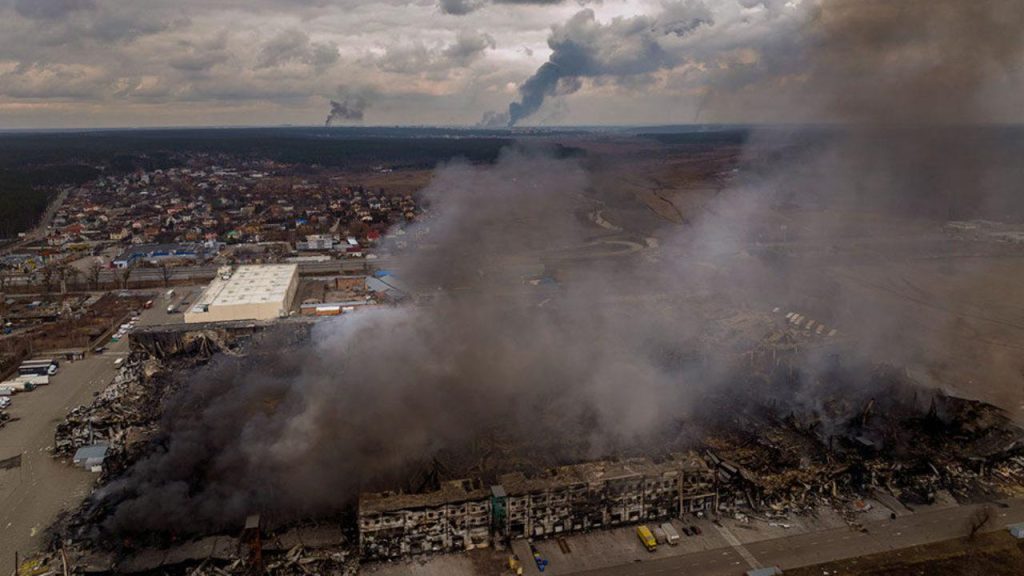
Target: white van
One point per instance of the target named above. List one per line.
(671, 536)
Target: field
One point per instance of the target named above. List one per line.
(994, 554)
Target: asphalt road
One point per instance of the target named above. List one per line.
(32, 495)
(205, 273)
(821, 546)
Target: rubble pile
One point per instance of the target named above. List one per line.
(778, 443)
(124, 416)
(777, 463)
(299, 560)
(211, 556)
(124, 406)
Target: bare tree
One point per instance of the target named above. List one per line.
(978, 520)
(165, 273)
(67, 275)
(126, 273)
(94, 274)
(47, 273)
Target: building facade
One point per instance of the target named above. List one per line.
(588, 496)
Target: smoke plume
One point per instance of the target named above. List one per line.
(564, 371)
(351, 107)
(624, 48)
(614, 355)
(913, 94)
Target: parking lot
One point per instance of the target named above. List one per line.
(33, 493)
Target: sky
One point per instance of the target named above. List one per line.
(111, 63)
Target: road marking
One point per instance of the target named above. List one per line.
(738, 546)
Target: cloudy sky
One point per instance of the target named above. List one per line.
(84, 63)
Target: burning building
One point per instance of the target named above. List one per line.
(462, 514)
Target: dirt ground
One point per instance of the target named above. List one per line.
(995, 554)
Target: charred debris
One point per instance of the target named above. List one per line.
(779, 443)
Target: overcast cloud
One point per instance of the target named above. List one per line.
(81, 63)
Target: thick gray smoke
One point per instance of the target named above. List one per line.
(916, 87)
(605, 360)
(623, 49)
(351, 107)
(913, 93)
(565, 371)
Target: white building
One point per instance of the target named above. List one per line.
(261, 292)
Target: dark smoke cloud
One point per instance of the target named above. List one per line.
(299, 432)
(601, 363)
(493, 119)
(907, 79)
(624, 48)
(352, 108)
(912, 93)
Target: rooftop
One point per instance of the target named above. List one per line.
(451, 492)
(254, 284)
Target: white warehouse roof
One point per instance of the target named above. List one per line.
(258, 292)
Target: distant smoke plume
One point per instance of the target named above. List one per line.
(492, 119)
(351, 107)
(622, 49)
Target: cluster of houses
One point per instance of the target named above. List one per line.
(210, 203)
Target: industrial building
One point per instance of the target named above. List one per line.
(155, 253)
(462, 514)
(257, 292)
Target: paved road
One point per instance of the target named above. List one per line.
(204, 273)
(32, 495)
(822, 546)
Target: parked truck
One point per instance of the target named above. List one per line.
(646, 537)
(38, 367)
(671, 535)
(35, 379)
(16, 386)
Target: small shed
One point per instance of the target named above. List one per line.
(90, 457)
